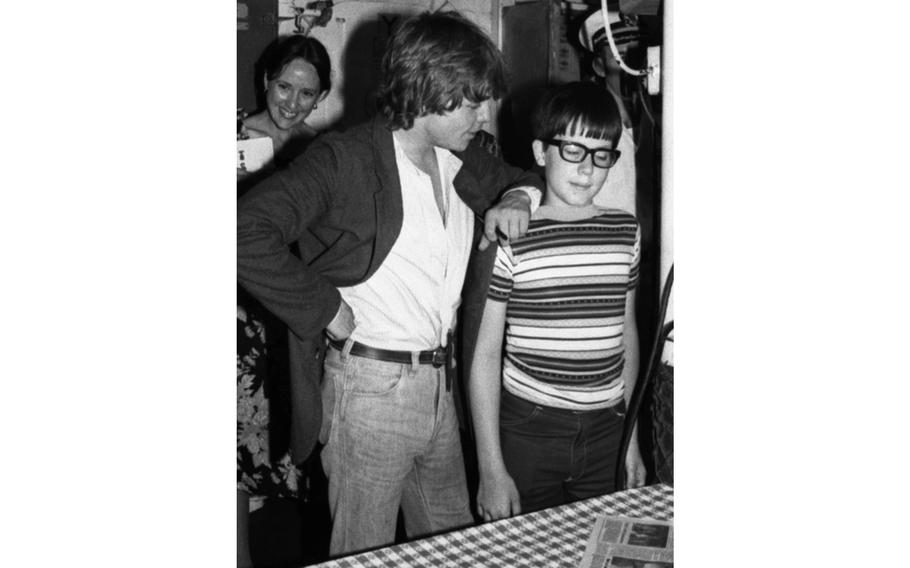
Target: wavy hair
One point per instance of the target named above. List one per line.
(433, 62)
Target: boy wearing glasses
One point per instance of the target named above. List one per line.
(548, 412)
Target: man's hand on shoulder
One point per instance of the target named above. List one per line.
(506, 220)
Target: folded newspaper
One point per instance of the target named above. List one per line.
(623, 542)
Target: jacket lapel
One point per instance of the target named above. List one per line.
(387, 196)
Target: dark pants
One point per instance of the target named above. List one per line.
(557, 456)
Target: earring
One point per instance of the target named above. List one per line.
(315, 106)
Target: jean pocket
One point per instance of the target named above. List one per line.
(517, 412)
(619, 410)
(368, 377)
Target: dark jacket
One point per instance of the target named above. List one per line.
(341, 202)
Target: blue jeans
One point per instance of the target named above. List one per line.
(392, 439)
(557, 456)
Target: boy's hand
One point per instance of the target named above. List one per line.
(497, 497)
(507, 219)
(636, 474)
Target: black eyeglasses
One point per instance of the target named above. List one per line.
(575, 153)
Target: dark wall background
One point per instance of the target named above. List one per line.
(254, 32)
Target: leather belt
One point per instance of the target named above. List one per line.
(436, 357)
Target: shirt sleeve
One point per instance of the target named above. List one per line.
(502, 280)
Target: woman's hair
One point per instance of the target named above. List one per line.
(432, 63)
(575, 109)
(286, 49)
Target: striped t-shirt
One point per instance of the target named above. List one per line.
(566, 282)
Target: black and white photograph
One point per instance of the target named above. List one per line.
(645, 534)
(446, 232)
(451, 273)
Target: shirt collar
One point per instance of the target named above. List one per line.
(446, 158)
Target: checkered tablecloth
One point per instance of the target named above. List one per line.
(553, 537)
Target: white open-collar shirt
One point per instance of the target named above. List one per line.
(409, 303)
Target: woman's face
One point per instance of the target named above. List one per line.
(290, 97)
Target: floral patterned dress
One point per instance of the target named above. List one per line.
(259, 473)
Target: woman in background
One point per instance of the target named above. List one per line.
(296, 77)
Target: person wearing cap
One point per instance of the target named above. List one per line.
(384, 215)
(620, 187)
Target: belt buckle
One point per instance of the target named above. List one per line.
(439, 357)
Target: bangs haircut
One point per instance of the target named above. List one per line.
(577, 109)
(433, 63)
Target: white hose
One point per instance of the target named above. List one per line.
(616, 56)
